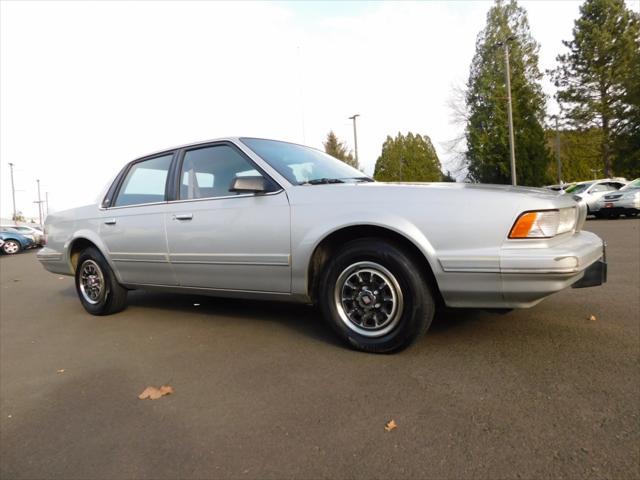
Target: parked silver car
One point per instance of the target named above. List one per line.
(593, 190)
(256, 218)
(625, 201)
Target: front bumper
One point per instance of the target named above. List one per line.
(611, 208)
(527, 273)
(593, 276)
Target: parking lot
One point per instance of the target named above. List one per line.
(264, 390)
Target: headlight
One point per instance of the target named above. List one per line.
(544, 223)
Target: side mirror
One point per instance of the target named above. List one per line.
(253, 184)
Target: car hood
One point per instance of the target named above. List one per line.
(469, 187)
(398, 195)
(433, 189)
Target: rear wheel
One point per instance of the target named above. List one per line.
(374, 297)
(11, 247)
(96, 284)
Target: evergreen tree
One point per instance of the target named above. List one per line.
(338, 149)
(487, 135)
(409, 158)
(579, 155)
(598, 80)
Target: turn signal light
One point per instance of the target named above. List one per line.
(544, 223)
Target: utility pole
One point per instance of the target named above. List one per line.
(39, 203)
(13, 193)
(46, 200)
(355, 135)
(558, 153)
(510, 112)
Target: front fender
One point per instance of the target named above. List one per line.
(306, 240)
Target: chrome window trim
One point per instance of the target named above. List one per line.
(132, 206)
(226, 197)
(188, 200)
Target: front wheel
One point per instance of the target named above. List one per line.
(11, 247)
(374, 296)
(96, 284)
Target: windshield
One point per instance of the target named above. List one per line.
(303, 165)
(578, 188)
(635, 185)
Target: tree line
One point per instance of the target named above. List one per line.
(598, 90)
(409, 157)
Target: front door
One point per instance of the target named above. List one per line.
(133, 227)
(225, 240)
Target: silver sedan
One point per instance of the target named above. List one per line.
(625, 201)
(256, 218)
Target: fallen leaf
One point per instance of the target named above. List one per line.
(592, 318)
(390, 425)
(60, 371)
(154, 393)
(166, 389)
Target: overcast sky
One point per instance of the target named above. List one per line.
(87, 86)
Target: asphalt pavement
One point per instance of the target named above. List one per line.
(264, 390)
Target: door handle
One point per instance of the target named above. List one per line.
(111, 221)
(183, 216)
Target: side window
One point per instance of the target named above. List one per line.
(209, 172)
(145, 182)
(602, 187)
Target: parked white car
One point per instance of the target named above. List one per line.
(591, 191)
(558, 187)
(257, 218)
(625, 201)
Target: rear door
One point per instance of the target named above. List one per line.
(226, 240)
(132, 227)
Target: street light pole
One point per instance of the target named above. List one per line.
(510, 113)
(39, 203)
(558, 153)
(355, 135)
(46, 201)
(13, 193)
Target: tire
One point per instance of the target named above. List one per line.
(391, 306)
(96, 284)
(11, 247)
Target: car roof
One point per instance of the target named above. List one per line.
(192, 144)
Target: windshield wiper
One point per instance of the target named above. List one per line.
(361, 179)
(321, 181)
